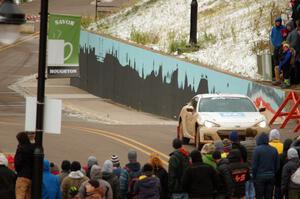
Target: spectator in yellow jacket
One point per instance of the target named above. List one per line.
(274, 140)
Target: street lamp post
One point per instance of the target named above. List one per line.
(193, 28)
(38, 154)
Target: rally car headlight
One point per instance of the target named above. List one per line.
(262, 124)
(209, 124)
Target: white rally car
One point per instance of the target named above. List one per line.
(210, 117)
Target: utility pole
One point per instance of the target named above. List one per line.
(194, 16)
(38, 155)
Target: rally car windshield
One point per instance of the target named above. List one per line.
(226, 105)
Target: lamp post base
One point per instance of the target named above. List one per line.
(37, 177)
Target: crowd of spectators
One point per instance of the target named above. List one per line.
(286, 43)
(260, 167)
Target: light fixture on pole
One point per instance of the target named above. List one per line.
(11, 17)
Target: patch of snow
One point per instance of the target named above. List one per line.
(236, 25)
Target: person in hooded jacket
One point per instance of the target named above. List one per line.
(160, 172)
(23, 166)
(277, 39)
(274, 140)
(287, 186)
(112, 179)
(178, 164)
(134, 171)
(92, 160)
(7, 179)
(148, 185)
(51, 185)
(200, 180)
(224, 171)
(285, 65)
(283, 160)
(70, 185)
(104, 186)
(265, 163)
(239, 173)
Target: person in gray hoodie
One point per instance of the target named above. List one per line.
(96, 174)
(92, 160)
(288, 169)
(112, 179)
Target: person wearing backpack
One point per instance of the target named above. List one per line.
(200, 180)
(112, 179)
(239, 173)
(122, 175)
(148, 185)
(178, 163)
(224, 172)
(70, 185)
(291, 175)
(134, 170)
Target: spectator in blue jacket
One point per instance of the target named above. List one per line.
(265, 163)
(51, 184)
(277, 39)
(285, 65)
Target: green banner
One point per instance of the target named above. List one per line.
(63, 44)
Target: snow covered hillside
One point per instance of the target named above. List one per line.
(230, 32)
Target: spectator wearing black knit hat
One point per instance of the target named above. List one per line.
(178, 164)
(200, 180)
(148, 185)
(234, 138)
(65, 170)
(70, 185)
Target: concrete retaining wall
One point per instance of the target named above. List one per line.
(156, 83)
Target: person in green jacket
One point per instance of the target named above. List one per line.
(207, 151)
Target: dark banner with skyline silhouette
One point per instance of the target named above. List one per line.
(155, 83)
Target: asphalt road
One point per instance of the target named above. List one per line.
(79, 138)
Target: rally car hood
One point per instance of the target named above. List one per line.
(232, 119)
